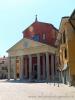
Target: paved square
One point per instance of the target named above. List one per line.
(35, 91)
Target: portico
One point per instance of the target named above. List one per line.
(34, 61)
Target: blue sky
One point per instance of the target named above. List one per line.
(16, 15)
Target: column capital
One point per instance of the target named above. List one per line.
(47, 54)
(21, 56)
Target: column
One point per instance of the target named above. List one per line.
(38, 66)
(25, 67)
(21, 67)
(9, 65)
(55, 64)
(14, 68)
(47, 67)
(43, 66)
(52, 67)
(30, 67)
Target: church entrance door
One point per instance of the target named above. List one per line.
(35, 71)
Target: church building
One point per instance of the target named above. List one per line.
(34, 56)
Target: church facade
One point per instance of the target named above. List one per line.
(34, 56)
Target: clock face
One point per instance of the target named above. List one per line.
(31, 28)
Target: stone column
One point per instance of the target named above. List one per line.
(14, 69)
(44, 66)
(30, 67)
(9, 65)
(21, 67)
(25, 67)
(55, 64)
(38, 67)
(47, 67)
(52, 67)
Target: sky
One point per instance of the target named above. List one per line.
(17, 15)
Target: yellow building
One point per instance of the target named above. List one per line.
(66, 46)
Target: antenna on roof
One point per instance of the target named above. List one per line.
(36, 18)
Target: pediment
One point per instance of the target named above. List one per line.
(24, 44)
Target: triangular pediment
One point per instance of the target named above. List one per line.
(24, 44)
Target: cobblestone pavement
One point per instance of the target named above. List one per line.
(35, 91)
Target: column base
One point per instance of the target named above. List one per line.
(15, 79)
(8, 78)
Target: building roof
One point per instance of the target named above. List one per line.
(39, 28)
(72, 19)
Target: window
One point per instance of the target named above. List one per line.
(36, 37)
(2, 68)
(2, 62)
(44, 36)
(17, 61)
(64, 38)
(65, 53)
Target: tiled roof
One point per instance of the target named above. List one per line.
(40, 28)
